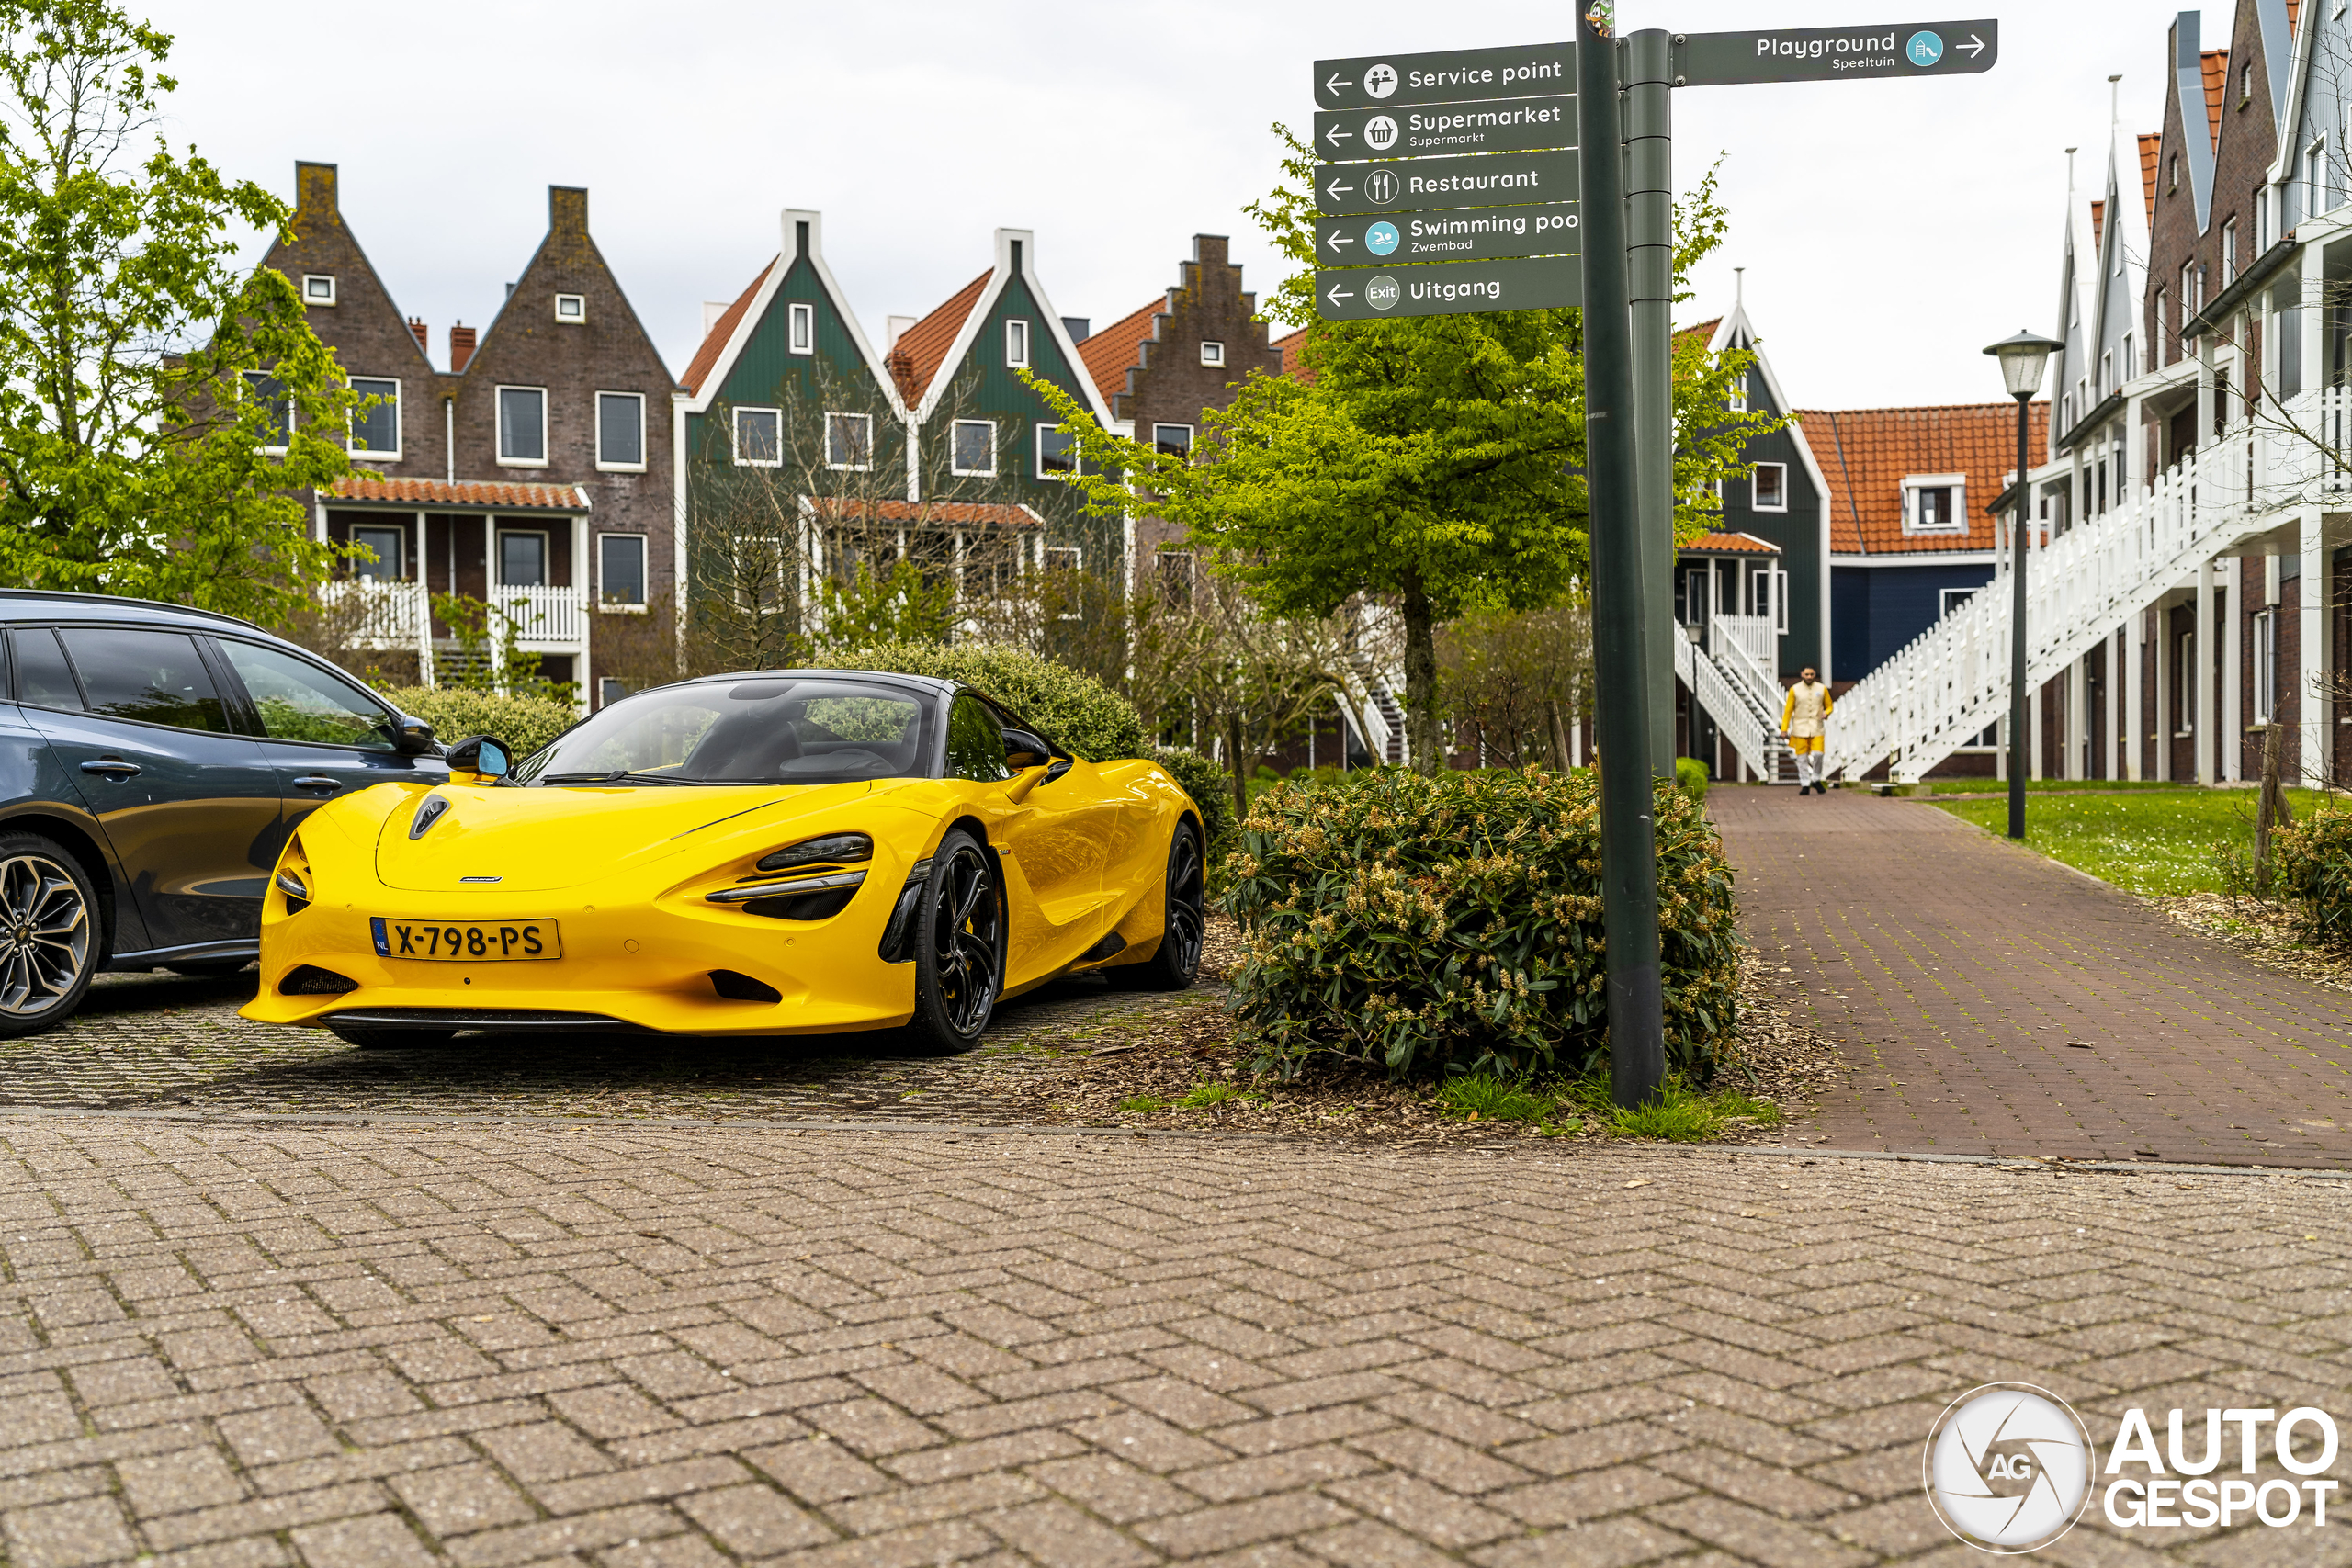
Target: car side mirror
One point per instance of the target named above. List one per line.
(1022, 749)
(1060, 766)
(412, 736)
(485, 756)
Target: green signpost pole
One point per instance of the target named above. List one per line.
(1621, 716)
(1648, 70)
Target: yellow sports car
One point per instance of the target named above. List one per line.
(794, 851)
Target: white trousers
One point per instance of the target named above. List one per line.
(1809, 767)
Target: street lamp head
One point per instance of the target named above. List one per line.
(2022, 358)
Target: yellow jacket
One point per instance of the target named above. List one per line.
(1808, 704)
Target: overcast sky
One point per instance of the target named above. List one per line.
(1889, 229)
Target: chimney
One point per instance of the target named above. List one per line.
(462, 346)
(901, 366)
(424, 336)
(568, 211)
(711, 310)
(1079, 327)
(314, 188)
(893, 329)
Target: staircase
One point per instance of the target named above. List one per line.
(1738, 692)
(1952, 680)
(1383, 716)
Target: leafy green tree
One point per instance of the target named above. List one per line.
(161, 407)
(1433, 463)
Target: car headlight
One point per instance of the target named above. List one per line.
(293, 877)
(834, 849)
(292, 885)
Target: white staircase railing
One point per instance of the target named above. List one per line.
(1952, 680)
(1750, 720)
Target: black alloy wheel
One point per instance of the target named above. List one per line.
(390, 1039)
(960, 946)
(1177, 958)
(49, 936)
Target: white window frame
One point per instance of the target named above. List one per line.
(867, 465)
(311, 280)
(2229, 253)
(253, 379)
(1756, 502)
(1061, 557)
(799, 328)
(2107, 372)
(986, 473)
(2187, 683)
(399, 437)
(603, 464)
(1946, 601)
(1016, 342)
(2265, 665)
(1957, 483)
(500, 532)
(1737, 401)
(498, 405)
(2130, 359)
(578, 317)
(735, 435)
(2314, 177)
(1192, 434)
(644, 574)
(399, 567)
(1037, 453)
(1212, 353)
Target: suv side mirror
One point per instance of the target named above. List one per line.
(412, 736)
(483, 755)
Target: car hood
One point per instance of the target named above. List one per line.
(539, 840)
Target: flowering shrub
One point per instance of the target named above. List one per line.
(2312, 869)
(1420, 923)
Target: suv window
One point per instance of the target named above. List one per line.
(155, 677)
(299, 701)
(43, 678)
(974, 742)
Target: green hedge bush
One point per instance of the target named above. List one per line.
(2311, 867)
(1690, 777)
(1077, 710)
(1423, 924)
(455, 712)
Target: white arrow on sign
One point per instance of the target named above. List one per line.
(1334, 85)
(1976, 45)
(1336, 241)
(1338, 294)
(1337, 189)
(1335, 135)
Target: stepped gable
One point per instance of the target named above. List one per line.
(1866, 454)
(926, 344)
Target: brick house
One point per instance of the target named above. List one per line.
(1162, 365)
(532, 472)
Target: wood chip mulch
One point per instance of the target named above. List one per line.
(2260, 930)
(1137, 1079)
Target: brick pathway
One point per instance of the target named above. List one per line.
(642, 1348)
(1955, 970)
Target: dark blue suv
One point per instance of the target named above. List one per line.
(152, 761)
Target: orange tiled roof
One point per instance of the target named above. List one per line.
(2098, 224)
(1110, 352)
(2291, 8)
(926, 343)
(1703, 330)
(1290, 347)
(1730, 545)
(2150, 144)
(493, 493)
(2217, 80)
(1867, 454)
(721, 330)
(936, 513)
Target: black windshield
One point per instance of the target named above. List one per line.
(770, 729)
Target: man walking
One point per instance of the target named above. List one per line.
(1803, 718)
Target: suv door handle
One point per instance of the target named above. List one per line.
(113, 767)
(318, 784)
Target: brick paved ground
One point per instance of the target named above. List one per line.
(1955, 969)
(635, 1347)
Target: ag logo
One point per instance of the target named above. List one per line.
(1379, 133)
(2009, 1467)
(1380, 81)
(1383, 292)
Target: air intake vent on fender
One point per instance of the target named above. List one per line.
(738, 987)
(309, 981)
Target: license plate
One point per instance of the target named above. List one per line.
(467, 942)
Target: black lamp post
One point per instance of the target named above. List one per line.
(2022, 359)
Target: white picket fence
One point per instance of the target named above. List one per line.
(1952, 680)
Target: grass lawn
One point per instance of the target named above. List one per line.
(2156, 841)
(2038, 786)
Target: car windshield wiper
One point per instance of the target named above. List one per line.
(618, 775)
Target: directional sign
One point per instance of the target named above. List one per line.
(1495, 125)
(1453, 76)
(1834, 54)
(1544, 283)
(1472, 233)
(1423, 185)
